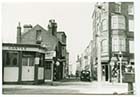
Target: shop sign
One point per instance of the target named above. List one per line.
(16, 48)
(50, 54)
(37, 60)
(129, 77)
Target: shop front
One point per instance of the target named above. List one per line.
(23, 63)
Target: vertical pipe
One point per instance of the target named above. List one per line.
(99, 71)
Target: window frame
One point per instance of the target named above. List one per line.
(131, 9)
(131, 25)
(9, 60)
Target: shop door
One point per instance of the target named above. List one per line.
(28, 69)
(48, 70)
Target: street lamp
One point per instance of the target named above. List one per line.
(120, 59)
(57, 63)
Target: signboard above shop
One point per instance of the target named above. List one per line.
(50, 54)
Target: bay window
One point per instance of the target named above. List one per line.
(118, 22)
(118, 43)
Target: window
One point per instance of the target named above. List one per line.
(118, 43)
(115, 44)
(122, 44)
(118, 7)
(104, 46)
(11, 59)
(118, 22)
(38, 36)
(27, 60)
(131, 25)
(104, 25)
(48, 65)
(130, 9)
(131, 46)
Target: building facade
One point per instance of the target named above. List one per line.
(85, 61)
(23, 63)
(55, 42)
(113, 33)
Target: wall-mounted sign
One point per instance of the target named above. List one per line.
(37, 60)
(129, 77)
(16, 48)
(50, 54)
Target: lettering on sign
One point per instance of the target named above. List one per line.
(50, 54)
(16, 48)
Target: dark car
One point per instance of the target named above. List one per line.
(85, 75)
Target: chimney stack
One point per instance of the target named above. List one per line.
(27, 28)
(52, 27)
(18, 33)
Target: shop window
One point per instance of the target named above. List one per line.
(48, 65)
(11, 59)
(24, 61)
(27, 61)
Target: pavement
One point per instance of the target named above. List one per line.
(74, 87)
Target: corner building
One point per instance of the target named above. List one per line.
(113, 23)
(55, 56)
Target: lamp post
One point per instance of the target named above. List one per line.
(120, 60)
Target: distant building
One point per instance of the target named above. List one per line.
(86, 59)
(113, 23)
(55, 42)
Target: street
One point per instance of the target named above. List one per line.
(72, 87)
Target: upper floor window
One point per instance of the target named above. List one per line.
(38, 36)
(118, 7)
(115, 44)
(131, 25)
(130, 9)
(118, 22)
(118, 43)
(131, 46)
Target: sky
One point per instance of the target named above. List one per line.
(74, 18)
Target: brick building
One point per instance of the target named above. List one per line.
(113, 24)
(54, 41)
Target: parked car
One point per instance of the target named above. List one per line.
(85, 75)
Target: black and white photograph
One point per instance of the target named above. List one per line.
(68, 48)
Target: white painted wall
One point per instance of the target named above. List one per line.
(40, 73)
(11, 74)
(28, 73)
